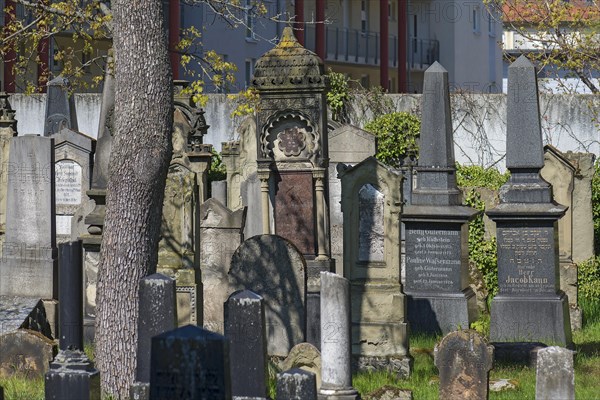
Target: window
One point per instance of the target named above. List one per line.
(364, 15)
(249, 71)
(250, 20)
(391, 11)
(476, 20)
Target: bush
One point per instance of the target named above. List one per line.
(397, 135)
(338, 95)
(588, 288)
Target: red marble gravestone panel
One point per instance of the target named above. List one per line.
(295, 211)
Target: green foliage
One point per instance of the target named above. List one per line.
(588, 279)
(397, 135)
(217, 170)
(477, 176)
(338, 95)
(482, 325)
(596, 205)
(482, 252)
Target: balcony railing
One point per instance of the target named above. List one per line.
(358, 47)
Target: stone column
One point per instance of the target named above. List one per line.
(336, 372)
(264, 190)
(70, 279)
(321, 239)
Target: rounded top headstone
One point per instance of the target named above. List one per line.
(189, 332)
(245, 295)
(288, 65)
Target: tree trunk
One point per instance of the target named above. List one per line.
(138, 167)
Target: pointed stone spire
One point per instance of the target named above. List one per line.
(524, 149)
(60, 107)
(436, 146)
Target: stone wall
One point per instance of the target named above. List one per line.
(479, 121)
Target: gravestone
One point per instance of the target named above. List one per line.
(348, 144)
(529, 305)
(189, 363)
(273, 268)
(296, 384)
(336, 354)
(72, 376)
(73, 156)
(60, 107)
(220, 235)
(437, 287)
(25, 353)
(293, 157)
(8, 130)
(555, 374)
(186, 188)
(28, 265)
(157, 314)
(371, 205)
(304, 356)
(464, 359)
(245, 330)
(218, 190)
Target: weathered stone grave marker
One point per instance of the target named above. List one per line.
(464, 359)
(60, 107)
(336, 373)
(190, 363)
(437, 287)
(296, 384)
(273, 268)
(371, 203)
(529, 305)
(245, 330)
(8, 130)
(555, 374)
(221, 233)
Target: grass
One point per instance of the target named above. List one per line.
(424, 378)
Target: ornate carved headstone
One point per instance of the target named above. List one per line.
(437, 287)
(464, 359)
(529, 305)
(273, 268)
(220, 235)
(293, 156)
(371, 205)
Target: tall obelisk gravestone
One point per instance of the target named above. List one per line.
(439, 296)
(530, 305)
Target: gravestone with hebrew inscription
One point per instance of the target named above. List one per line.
(349, 145)
(437, 287)
(273, 268)
(530, 305)
(220, 235)
(371, 206)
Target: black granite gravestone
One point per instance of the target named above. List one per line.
(70, 292)
(529, 305)
(157, 314)
(72, 376)
(246, 330)
(190, 363)
(437, 287)
(296, 384)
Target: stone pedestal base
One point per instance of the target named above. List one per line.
(139, 391)
(338, 394)
(441, 313)
(72, 376)
(400, 365)
(313, 298)
(539, 319)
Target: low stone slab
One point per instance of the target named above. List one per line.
(25, 352)
(389, 393)
(23, 313)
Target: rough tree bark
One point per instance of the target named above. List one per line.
(138, 168)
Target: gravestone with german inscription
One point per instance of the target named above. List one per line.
(273, 268)
(530, 305)
(371, 204)
(437, 287)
